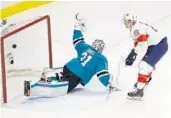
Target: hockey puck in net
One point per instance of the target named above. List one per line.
(14, 46)
(12, 62)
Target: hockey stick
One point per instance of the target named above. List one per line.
(115, 86)
(118, 71)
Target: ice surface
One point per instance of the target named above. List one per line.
(91, 102)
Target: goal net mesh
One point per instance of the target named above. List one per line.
(26, 50)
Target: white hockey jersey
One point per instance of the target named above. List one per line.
(144, 35)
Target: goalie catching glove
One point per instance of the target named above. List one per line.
(80, 23)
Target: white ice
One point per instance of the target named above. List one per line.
(103, 21)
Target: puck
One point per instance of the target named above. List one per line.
(12, 62)
(14, 46)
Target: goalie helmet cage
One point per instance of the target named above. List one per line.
(11, 33)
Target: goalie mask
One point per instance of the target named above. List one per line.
(98, 45)
(129, 20)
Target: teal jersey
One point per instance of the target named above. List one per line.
(88, 62)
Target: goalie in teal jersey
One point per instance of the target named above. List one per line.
(89, 62)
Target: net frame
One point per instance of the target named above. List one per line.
(25, 26)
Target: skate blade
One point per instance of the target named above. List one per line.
(135, 98)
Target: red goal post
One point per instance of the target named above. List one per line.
(11, 33)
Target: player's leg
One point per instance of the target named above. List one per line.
(50, 81)
(45, 89)
(49, 85)
(144, 75)
(155, 53)
(72, 79)
(148, 81)
(152, 57)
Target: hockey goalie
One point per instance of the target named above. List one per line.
(89, 62)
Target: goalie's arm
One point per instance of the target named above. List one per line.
(102, 73)
(78, 39)
(104, 77)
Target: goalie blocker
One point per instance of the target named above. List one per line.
(52, 83)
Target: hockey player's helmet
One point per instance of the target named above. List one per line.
(129, 20)
(98, 45)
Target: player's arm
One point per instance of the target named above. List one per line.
(140, 47)
(79, 27)
(103, 74)
(104, 77)
(141, 42)
(78, 38)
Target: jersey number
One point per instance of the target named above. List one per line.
(85, 58)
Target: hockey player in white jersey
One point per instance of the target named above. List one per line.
(149, 42)
(89, 62)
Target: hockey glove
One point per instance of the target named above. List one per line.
(114, 88)
(80, 23)
(131, 58)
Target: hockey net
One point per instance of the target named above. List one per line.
(25, 50)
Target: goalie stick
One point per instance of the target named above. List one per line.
(115, 86)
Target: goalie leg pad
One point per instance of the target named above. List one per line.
(48, 89)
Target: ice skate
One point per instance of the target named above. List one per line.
(137, 94)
